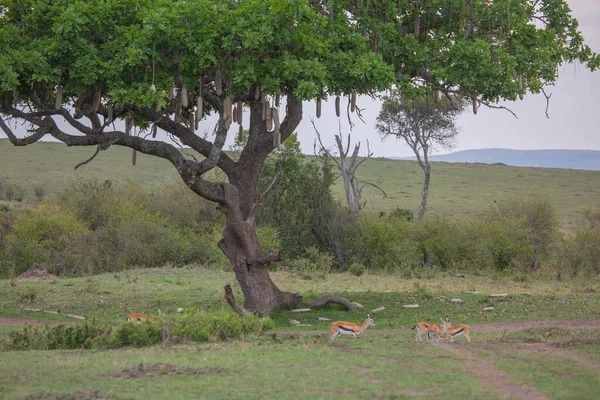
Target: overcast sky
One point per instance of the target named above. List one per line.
(574, 111)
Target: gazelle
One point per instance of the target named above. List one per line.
(452, 331)
(138, 317)
(429, 328)
(350, 328)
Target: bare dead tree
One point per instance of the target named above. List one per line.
(347, 169)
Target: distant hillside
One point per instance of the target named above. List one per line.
(569, 159)
(456, 190)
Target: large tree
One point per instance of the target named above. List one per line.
(168, 63)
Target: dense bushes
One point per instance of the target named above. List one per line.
(94, 227)
(193, 325)
(578, 254)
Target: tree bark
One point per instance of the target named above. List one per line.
(425, 193)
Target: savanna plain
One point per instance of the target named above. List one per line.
(540, 341)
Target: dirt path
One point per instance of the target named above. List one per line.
(493, 378)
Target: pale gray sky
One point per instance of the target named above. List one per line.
(574, 113)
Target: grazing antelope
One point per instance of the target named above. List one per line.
(138, 317)
(452, 331)
(350, 328)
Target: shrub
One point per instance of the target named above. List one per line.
(14, 192)
(439, 241)
(87, 335)
(45, 235)
(137, 335)
(40, 190)
(538, 219)
(192, 325)
(298, 202)
(200, 326)
(3, 189)
(403, 213)
(315, 265)
(357, 269)
(382, 242)
(579, 253)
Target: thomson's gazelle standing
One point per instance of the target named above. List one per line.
(452, 331)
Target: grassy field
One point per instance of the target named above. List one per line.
(552, 361)
(512, 354)
(456, 190)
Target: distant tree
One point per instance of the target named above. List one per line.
(347, 168)
(423, 124)
(168, 63)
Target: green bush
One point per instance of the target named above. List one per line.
(83, 336)
(199, 326)
(381, 242)
(439, 241)
(537, 218)
(299, 203)
(357, 269)
(579, 254)
(131, 334)
(192, 325)
(46, 235)
(14, 192)
(315, 265)
(268, 237)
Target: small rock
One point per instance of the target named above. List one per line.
(410, 306)
(180, 310)
(324, 319)
(499, 295)
(294, 322)
(457, 301)
(526, 294)
(488, 309)
(301, 310)
(378, 309)
(472, 292)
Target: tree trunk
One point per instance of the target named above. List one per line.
(239, 202)
(425, 193)
(251, 269)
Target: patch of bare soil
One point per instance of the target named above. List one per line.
(161, 369)
(35, 272)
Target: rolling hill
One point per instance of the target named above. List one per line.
(570, 159)
(456, 189)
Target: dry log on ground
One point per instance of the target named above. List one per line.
(321, 301)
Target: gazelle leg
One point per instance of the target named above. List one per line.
(334, 334)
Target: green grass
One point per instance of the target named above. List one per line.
(384, 362)
(456, 190)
